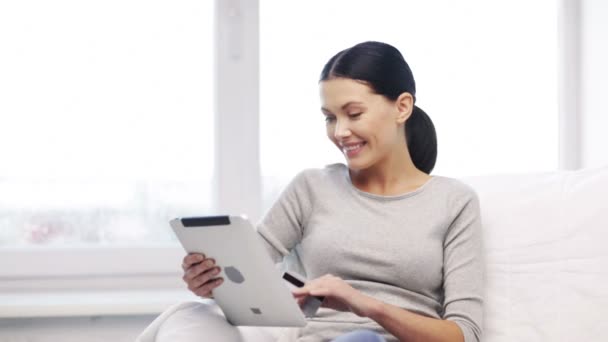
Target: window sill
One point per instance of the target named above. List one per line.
(90, 303)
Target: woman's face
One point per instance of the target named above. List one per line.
(365, 126)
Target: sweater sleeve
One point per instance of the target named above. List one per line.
(463, 276)
(281, 228)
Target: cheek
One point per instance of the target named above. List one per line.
(380, 131)
(367, 129)
(329, 130)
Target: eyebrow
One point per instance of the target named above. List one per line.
(349, 103)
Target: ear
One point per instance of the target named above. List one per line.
(405, 106)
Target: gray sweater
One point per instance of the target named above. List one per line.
(420, 251)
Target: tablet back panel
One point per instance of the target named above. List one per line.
(253, 292)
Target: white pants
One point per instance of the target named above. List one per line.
(204, 321)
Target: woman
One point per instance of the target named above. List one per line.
(395, 251)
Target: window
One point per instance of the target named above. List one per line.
(486, 74)
(107, 129)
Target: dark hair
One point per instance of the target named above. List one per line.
(383, 68)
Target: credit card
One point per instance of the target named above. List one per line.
(311, 303)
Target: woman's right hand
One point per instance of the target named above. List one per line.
(199, 273)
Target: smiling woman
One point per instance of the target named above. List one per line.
(405, 246)
(366, 82)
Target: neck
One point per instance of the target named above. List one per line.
(395, 175)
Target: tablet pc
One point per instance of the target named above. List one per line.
(253, 292)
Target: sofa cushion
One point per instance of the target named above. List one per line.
(546, 256)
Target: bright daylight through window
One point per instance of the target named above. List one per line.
(106, 129)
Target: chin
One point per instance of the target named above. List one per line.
(357, 165)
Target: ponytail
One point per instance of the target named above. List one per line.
(421, 140)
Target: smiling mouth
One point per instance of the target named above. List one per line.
(353, 150)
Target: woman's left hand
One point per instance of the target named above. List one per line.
(339, 295)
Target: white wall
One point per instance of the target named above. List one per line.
(594, 83)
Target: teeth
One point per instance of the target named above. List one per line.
(350, 148)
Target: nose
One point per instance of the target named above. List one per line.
(341, 130)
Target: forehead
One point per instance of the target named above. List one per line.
(338, 91)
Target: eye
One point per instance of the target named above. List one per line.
(329, 118)
(354, 115)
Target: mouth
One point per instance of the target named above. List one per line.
(351, 150)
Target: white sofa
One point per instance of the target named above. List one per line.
(546, 257)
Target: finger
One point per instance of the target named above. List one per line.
(299, 296)
(207, 289)
(299, 292)
(321, 291)
(198, 269)
(203, 278)
(304, 290)
(191, 259)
